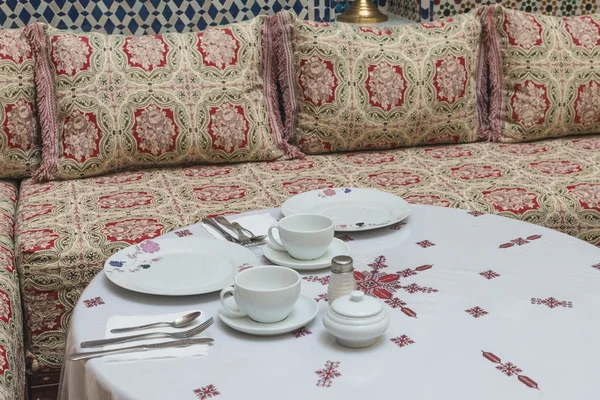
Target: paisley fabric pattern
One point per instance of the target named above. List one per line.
(158, 100)
(348, 88)
(20, 144)
(67, 229)
(544, 75)
(12, 352)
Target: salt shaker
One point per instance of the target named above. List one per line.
(342, 278)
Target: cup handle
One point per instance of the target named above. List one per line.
(234, 313)
(276, 245)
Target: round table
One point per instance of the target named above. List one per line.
(481, 307)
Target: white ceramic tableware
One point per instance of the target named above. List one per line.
(178, 266)
(351, 209)
(265, 294)
(356, 320)
(283, 258)
(303, 236)
(304, 311)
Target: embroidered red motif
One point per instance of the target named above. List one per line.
(476, 213)
(519, 241)
(377, 283)
(96, 301)
(206, 392)
(322, 296)
(510, 369)
(597, 266)
(476, 312)
(244, 267)
(183, 233)
(425, 243)
(346, 238)
(551, 302)
(397, 225)
(323, 280)
(402, 341)
(328, 373)
(489, 274)
(300, 332)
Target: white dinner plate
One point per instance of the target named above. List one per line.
(351, 209)
(283, 258)
(304, 311)
(178, 266)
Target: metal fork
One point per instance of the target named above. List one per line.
(242, 237)
(222, 231)
(155, 335)
(240, 230)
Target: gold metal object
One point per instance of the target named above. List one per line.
(362, 12)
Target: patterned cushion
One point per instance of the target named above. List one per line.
(350, 88)
(20, 144)
(158, 100)
(67, 229)
(12, 355)
(544, 75)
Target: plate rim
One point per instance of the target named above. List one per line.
(277, 332)
(226, 281)
(306, 268)
(362, 229)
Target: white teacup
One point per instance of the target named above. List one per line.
(265, 294)
(303, 236)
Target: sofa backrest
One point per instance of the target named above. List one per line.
(137, 17)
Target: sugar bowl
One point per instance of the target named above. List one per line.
(356, 320)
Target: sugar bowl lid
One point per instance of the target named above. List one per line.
(356, 305)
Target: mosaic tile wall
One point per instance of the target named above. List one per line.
(428, 10)
(156, 16)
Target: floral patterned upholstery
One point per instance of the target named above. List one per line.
(67, 229)
(544, 75)
(156, 100)
(350, 88)
(12, 354)
(20, 144)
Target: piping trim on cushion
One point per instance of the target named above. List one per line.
(492, 79)
(46, 99)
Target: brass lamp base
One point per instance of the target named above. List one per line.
(362, 12)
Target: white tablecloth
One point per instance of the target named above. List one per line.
(481, 307)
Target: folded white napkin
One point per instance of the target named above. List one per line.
(258, 224)
(123, 321)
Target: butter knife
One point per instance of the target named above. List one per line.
(141, 347)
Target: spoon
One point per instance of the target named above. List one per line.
(180, 322)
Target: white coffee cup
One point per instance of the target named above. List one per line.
(303, 236)
(266, 294)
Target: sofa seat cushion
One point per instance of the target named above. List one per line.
(12, 361)
(67, 229)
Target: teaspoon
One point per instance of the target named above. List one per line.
(180, 322)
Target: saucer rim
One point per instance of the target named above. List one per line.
(274, 332)
(307, 265)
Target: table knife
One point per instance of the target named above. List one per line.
(141, 347)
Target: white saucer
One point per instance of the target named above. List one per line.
(337, 248)
(305, 311)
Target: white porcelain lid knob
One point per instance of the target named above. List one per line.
(356, 305)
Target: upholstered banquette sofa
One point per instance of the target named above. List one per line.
(108, 140)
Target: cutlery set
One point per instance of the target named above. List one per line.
(183, 339)
(244, 236)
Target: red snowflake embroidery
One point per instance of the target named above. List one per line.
(510, 369)
(489, 274)
(328, 373)
(395, 302)
(476, 213)
(346, 238)
(206, 392)
(425, 244)
(378, 264)
(323, 280)
(597, 266)
(476, 312)
(183, 233)
(520, 241)
(397, 225)
(414, 288)
(551, 302)
(322, 296)
(406, 273)
(402, 341)
(93, 302)
(298, 333)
